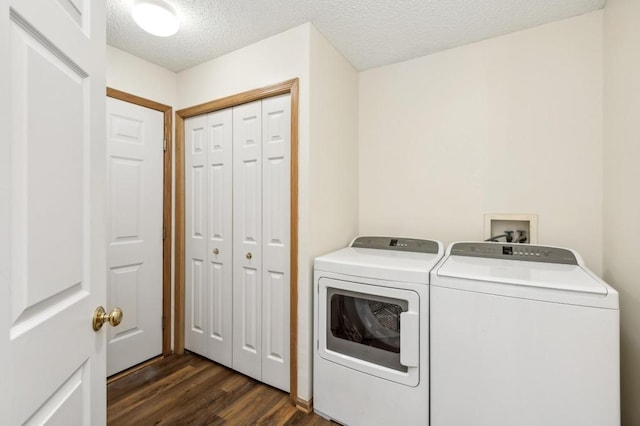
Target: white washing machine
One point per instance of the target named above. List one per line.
(522, 335)
(371, 326)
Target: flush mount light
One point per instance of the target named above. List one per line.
(155, 17)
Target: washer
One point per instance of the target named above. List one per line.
(522, 335)
(371, 325)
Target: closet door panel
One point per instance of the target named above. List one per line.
(195, 235)
(219, 236)
(247, 238)
(276, 177)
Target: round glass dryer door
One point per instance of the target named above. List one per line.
(365, 326)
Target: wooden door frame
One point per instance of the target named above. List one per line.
(166, 207)
(291, 87)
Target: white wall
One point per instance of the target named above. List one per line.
(273, 60)
(333, 160)
(511, 124)
(141, 78)
(325, 131)
(621, 178)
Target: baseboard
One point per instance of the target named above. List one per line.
(305, 406)
(133, 369)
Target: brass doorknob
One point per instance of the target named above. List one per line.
(249, 255)
(216, 251)
(100, 316)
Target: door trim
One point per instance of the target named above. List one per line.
(291, 87)
(166, 207)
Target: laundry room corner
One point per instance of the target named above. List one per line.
(333, 160)
(621, 198)
(512, 124)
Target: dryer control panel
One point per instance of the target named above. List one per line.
(533, 253)
(397, 244)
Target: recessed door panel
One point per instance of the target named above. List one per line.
(247, 333)
(75, 10)
(216, 301)
(196, 135)
(126, 129)
(197, 202)
(249, 203)
(197, 301)
(216, 202)
(125, 196)
(60, 408)
(274, 312)
(249, 307)
(46, 267)
(125, 284)
(276, 173)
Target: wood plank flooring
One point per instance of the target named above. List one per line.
(191, 390)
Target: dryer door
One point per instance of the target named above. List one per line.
(370, 328)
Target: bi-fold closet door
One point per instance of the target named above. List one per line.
(238, 238)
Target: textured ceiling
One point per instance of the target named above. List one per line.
(369, 33)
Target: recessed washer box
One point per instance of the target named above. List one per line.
(497, 223)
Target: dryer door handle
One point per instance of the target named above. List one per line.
(409, 339)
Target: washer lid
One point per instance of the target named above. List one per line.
(381, 264)
(517, 272)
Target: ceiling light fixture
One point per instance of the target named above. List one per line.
(155, 17)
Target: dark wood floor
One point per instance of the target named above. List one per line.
(191, 390)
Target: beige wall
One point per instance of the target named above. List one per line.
(141, 78)
(333, 159)
(334, 147)
(507, 125)
(621, 178)
(327, 132)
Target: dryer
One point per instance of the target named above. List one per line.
(522, 335)
(371, 328)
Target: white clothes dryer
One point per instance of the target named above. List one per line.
(522, 335)
(371, 327)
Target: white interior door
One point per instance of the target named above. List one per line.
(52, 195)
(209, 250)
(276, 214)
(135, 153)
(219, 233)
(238, 241)
(247, 239)
(195, 131)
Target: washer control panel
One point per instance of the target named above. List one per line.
(533, 253)
(397, 244)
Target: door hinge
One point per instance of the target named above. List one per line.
(164, 232)
(164, 144)
(164, 322)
